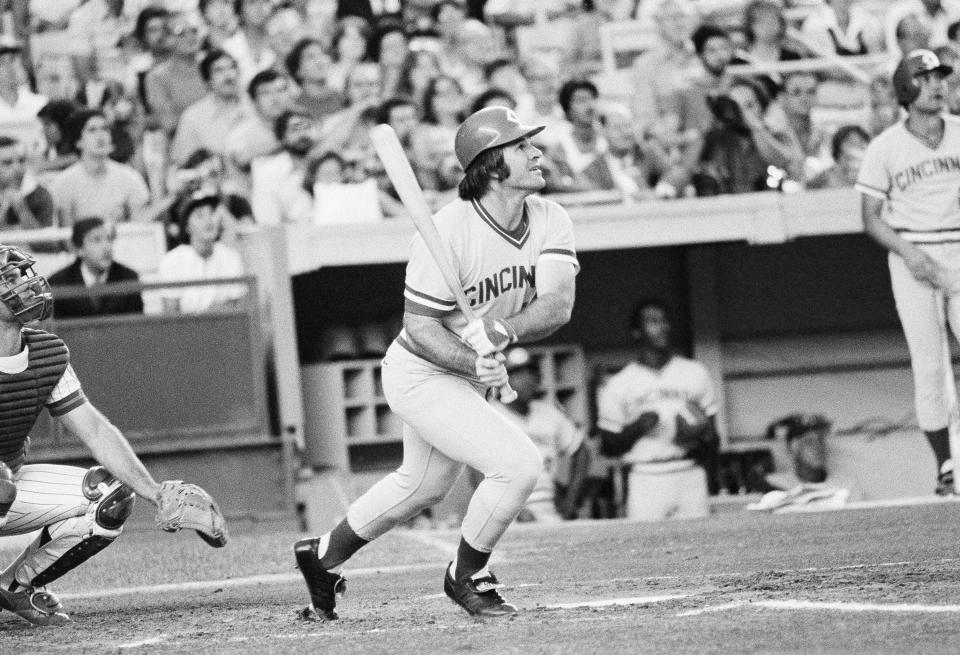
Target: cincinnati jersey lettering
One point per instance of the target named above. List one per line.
(497, 268)
(920, 184)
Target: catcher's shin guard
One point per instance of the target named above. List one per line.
(66, 544)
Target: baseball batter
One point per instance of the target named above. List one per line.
(910, 187)
(514, 253)
(78, 511)
(636, 416)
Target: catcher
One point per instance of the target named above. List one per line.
(656, 413)
(78, 511)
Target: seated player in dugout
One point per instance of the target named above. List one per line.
(658, 415)
(78, 511)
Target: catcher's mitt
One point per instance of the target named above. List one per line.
(693, 427)
(182, 505)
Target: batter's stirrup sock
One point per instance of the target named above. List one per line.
(469, 560)
(343, 543)
(940, 443)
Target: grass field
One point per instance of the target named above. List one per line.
(877, 580)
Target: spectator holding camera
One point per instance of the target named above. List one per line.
(740, 148)
(208, 122)
(255, 136)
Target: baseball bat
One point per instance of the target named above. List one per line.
(395, 163)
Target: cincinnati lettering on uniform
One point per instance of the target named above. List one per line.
(511, 277)
(926, 169)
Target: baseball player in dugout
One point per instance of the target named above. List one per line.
(657, 414)
(515, 258)
(77, 511)
(909, 183)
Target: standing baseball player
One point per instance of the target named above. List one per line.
(78, 511)
(910, 188)
(657, 413)
(515, 258)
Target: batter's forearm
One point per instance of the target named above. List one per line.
(544, 316)
(438, 345)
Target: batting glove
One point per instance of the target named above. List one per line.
(487, 336)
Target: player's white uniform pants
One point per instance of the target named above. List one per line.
(447, 423)
(667, 490)
(923, 329)
(51, 496)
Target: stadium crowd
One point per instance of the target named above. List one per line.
(265, 104)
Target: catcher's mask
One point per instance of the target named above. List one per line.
(24, 292)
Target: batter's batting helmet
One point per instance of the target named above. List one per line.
(489, 128)
(912, 66)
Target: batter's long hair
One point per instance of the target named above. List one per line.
(476, 181)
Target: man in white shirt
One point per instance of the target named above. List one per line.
(278, 195)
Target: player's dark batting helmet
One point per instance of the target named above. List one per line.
(489, 128)
(912, 66)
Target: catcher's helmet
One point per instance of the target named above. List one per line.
(489, 128)
(913, 65)
(25, 293)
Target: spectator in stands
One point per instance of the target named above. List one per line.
(934, 16)
(308, 64)
(504, 74)
(203, 171)
(884, 107)
(657, 72)
(765, 29)
(950, 55)
(202, 257)
(126, 121)
(250, 46)
(846, 147)
(389, 47)
(740, 148)
(350, 46)
(419, 68)
(101, 23)
(24, 204)
(566, 459)
(277, 194)
(401, 114)
(493, 97)
(434, 163)
(151, 37)
(542, 75)
(221, 19)
(444, 104)
(18, 104)
(346, 130)
(580, 142)
(92, 239)
(911, 34)
(475, 48)
(284, 28)
(255, 136)
(796, 103)
(448, 17)
(60, 151)
(843, 27)
(176, 84)
(208, 122)
(636, 418)
(121, 193)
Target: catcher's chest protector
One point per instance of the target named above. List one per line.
(23, 395)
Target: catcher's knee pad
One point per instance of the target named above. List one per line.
(8, 491)
(67, 544)
(111, 500)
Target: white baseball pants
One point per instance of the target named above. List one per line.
(447, 423)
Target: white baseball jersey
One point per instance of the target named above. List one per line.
(636, 389)
(497, 268)
(920, 184)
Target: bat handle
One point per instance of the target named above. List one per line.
(507, 394)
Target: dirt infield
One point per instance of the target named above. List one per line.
(858, 581)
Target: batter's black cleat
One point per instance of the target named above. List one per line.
(38, 606)
(324, 586)
(945, 480)
(478, 596)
